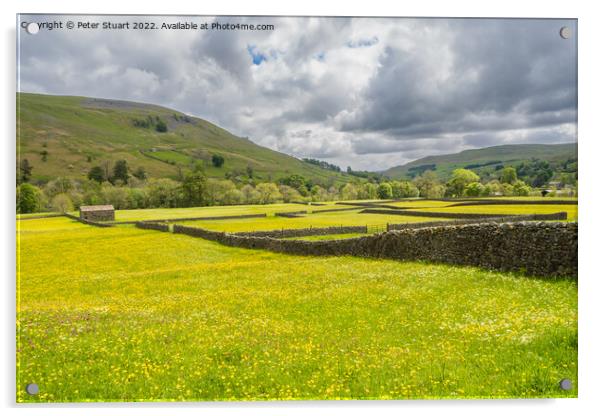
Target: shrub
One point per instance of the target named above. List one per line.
(217, 160)
(161, 127)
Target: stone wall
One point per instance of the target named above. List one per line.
(516, 218)
(88, 222)
(291, 214)
(223, 217)
(536, 248)
(304, 232)
(459, 215)
(152, 226)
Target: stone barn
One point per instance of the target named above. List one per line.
(97, 212)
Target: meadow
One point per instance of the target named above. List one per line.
(327, 219)
(124, 314)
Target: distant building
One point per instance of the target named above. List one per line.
(97, 212)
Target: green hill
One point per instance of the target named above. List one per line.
(484, 160)
(66, 136)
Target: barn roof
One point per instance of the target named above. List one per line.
(96, 208)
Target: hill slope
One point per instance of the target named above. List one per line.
(486, 158)
(66, 136)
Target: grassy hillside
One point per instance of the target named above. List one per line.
(480, 160)
(78, 133)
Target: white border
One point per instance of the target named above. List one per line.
(590, 187)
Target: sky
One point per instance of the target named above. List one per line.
(370, 93)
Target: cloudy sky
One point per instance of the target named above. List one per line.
(371, 93)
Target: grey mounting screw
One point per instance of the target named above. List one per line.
(32, 389)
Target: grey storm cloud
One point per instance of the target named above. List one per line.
(366, 92)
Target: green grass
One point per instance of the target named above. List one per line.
(318, 220)
(571, 210)
(123, 314)
(217, 211)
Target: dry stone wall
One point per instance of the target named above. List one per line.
(460, 215)
(304, 232)
(516, 218)
(537, 248)
(152, 226)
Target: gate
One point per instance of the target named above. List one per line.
(377, 228)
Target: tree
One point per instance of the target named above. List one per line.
(29, 198)
(194, 187)
(268, 193)
(408, 190)
(24, 171)
(508, 175)
(289, 194)
(294, 181)
(44, 154)
(62, 203)
(250, 171)
(59, 186)
(250, 194)
(520, 188)
(474, 189)
(232, 197)
(428, 185)
(140, 173)
(385, 191)
(217, 160)
(115, 195)
(368, 191)
(318, 193)
(164, 193)
(349, 192)
(120, 171)
(459, 180)
(161, 127)
(97, 174)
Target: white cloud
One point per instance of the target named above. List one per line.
(370, 93)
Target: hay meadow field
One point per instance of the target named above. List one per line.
(124, 314)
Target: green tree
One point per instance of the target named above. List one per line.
(289, 194)
(29, 198)
(385, 191)
(428, 185)
(408, 190)
(508, 175)
(121, 171)
(520, 188)
(62, 203)
(318, 193)
(97, 174)
(161, 127)
(44, 154)
(164, 193)
(459, 180)
(368, 191)
(217, 160)
(349, 192)
(194, 187)
(268, 193)
(474, 189)
(24, 171)
(140, 173)
(250, 194)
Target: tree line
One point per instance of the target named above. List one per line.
(126, 188)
